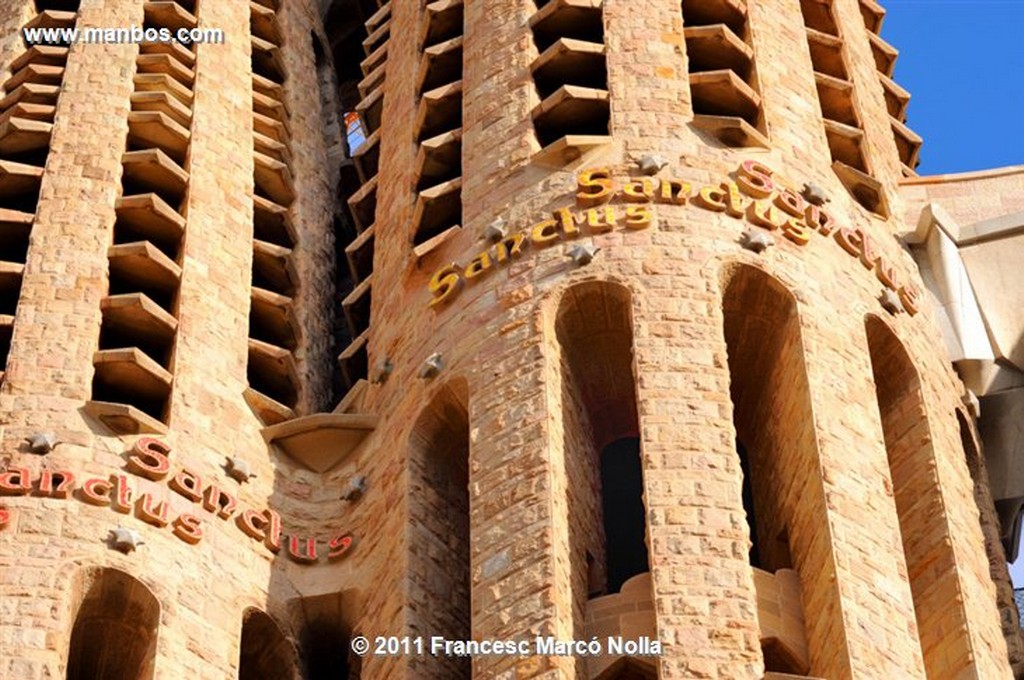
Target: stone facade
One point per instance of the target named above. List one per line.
(282, 516)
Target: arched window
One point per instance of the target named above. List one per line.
(776, 447)
(115, 631)
(607, 528)
(265, 652)
(931, 566)
(439, 528)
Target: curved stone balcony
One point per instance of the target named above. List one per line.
(630, 614)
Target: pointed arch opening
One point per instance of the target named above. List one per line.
(931, 565)
(439, 539)
(777, 454)
(115, 631)
(265, 653)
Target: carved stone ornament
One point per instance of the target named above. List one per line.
(355, 489)
(496, 230)
(42, 442)
(238, 469)
(756, 240)
(651, 164)
(583, 254)
(124, 539)
(432, 366)
(891, 302)
(814, 194)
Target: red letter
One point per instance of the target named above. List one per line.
(909, 296)
(868, 251)
(820, 219)
(95, 491)
(273, 531)
(149, 459)
(310, 553)
(849, 240)
(220, 502)
(790, 202)
(339, 545)
(755, 179)
(189, 529)
(15, 482)
(188, 484)
(122, 499)
(252, 524)
(146, 512)
(64, 486)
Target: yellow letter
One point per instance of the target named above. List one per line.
(712, 198)
(674, 191)
(639, 191)
(480, 264)
(638, 216)
(444, 284)
(796, 231)
(601, 220)
(595, 186)
(567, 222)
(544, 232)
(510, 246)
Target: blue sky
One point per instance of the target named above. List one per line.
(963, 63)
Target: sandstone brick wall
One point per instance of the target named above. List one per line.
(968, 197)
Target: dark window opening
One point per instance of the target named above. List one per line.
(625, 527)
(748, 503)
(325, 651)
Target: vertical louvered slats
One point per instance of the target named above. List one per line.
(362, 203)
(571, 76)
(841, 120)
(724, 87)
(28, 105)
(273, 333)
(133, 370)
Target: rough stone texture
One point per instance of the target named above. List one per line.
(529, 416)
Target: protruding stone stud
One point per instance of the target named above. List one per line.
(651, 164)
(42, 443)
(814, 194)
(891, 302)
(126, 540)
(496, 230)
(757, 241)
(432, 366)
(583, 254)
(382, 371)
(355, 489)
(238, 469)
